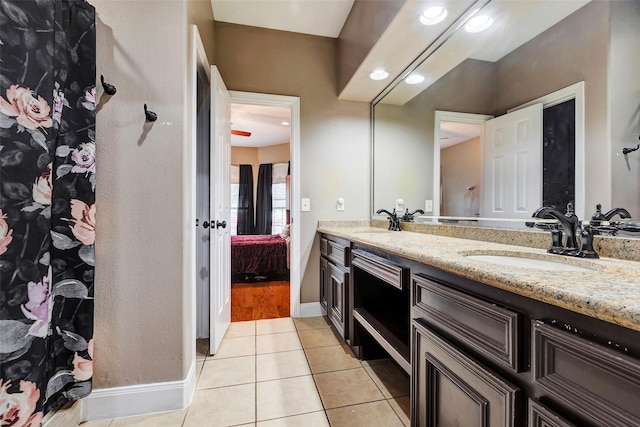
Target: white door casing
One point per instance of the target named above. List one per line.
(513, 164)
(220, 291)
(203, 202)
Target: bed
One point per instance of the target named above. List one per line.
(259, 254)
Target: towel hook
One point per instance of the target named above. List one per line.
(109, 89)
(626, 150)
(150, 115)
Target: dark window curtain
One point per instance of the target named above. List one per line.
(245, 201)
(264, 202)
(47, 206)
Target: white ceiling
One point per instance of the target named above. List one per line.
(264, 123)
(317, 17)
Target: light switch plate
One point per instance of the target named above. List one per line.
(428, 206)
(305, 204)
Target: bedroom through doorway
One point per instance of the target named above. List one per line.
(260, 211)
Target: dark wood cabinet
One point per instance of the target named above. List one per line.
(334, 281)
(598, 382)
(337, 284)
(324, 284)
(479, 355)
(452, 389)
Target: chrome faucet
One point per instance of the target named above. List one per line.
(394, 222)
(570, 225)
(409, 216)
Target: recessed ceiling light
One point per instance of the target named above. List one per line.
(285, 123)
(414, 79)
(379, 75)
(478, 23)
(433, 15)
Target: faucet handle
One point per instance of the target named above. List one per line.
(586, 243)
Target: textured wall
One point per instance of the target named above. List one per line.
(334, 135)
(144, 332)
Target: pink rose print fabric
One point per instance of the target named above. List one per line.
(47, 206)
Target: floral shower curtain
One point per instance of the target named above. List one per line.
(47, 205)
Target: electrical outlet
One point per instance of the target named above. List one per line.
(305, 204)
(428, 206)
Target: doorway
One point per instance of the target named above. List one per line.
(260, 211)
(292, 104)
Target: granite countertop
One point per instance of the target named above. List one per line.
(609, 289)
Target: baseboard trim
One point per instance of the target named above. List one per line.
(311, 309)
(139, 399)
(67, 416)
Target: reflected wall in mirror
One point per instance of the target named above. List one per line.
(536, 52)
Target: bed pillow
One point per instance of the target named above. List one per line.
(285, 232)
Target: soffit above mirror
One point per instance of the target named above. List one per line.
(403, 40)
(521, 20)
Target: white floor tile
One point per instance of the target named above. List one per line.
(273, 343)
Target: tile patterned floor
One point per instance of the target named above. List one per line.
(286, 373)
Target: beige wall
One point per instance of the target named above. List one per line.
(363, 27)
(244, 156)
(334, 151)
(143, 311)
(274, 154)
(401, 158)
(461, 167)
(200, 13)
(624, 84)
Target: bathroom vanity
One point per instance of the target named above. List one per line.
(489, 344)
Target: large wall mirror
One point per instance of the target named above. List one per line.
(533, 110)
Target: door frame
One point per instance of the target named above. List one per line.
(198, 58)
(450, 116)
(293, 103)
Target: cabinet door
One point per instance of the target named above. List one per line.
(451, 389)
(324, 288)
(337, 280)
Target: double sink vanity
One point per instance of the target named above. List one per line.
(491, 334)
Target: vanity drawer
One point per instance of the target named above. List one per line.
(493, 331)
(393, 274)
(335, 249)
(595, 381)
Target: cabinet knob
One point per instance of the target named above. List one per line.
(219, 224)
(205, 224)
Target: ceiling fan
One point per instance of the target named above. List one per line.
(240, 132)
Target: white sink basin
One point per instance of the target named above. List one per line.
(522, 261)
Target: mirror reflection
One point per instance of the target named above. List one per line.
(533, 111)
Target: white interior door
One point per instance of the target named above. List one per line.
(513, 164)
(220, 211)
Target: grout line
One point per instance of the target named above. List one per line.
(360, 403)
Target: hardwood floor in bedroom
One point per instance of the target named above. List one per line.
(260, 300)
